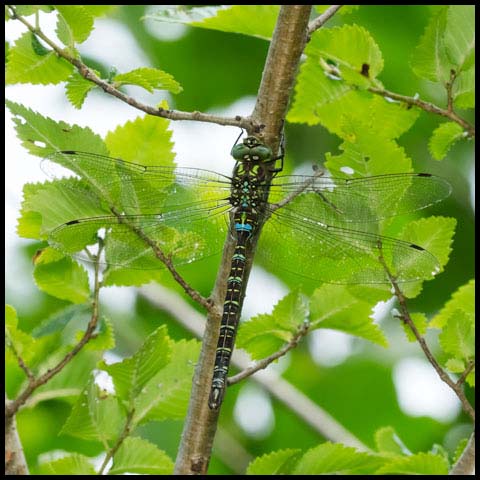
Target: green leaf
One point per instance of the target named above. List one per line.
(42, 136)
(333, 306)
(95, 416)
(256, 20)
(26, 10)
(462, 299)
(336, 58)
(388, 442)
(464, 89)
(420, 321)
(74, 25)
(266, 333)
(148, 78)
(25, 65)
(334, 459)
(435, 234)
(167, 394)
(132, 374)
(429, 60)
(458, 336)
(280, 462)
(48, 205)
(137, 455)
(455, 365)
(460, 36)
(60, 277)
(77, 89)
(21, 341)
(74, 464)
(149, 141)
(443, 137)
(418, 464)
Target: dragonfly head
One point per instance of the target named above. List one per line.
(251, 150)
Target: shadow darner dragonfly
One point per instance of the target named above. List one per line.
(188, 212)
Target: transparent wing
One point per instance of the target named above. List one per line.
(182, 210)
(335, 254)
(181, 236)
(339, 200)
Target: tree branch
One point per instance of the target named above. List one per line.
(323, 18)
(89, 74)
(466, 463)
(33, 382)
(405, 316)
(15, 463)
(265, 362)
(428, 107)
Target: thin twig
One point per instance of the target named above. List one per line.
(125, 433)
(449, 87)
(405, 316)
(323, 18)
(205, 302)
(428, 107)
(87, 73)
(21, 363)
(34, 383)
(261, 364)
(463, 376)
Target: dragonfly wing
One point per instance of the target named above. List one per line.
(359, 200)
(133, 241)
(133, 187)
(334, 254)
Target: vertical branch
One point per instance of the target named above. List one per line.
(15, 463)
(277, 81)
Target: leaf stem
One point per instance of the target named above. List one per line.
(261, 364)
(323, 18)
(428, 107)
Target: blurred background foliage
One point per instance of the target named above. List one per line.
(216, 69)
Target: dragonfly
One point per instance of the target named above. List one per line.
(188, 212)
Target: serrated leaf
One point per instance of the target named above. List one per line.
(388, 442)
(418, 464)
(280, 462)
(48, 205)
(420, 322)
(137, 455)
(26, 10)
(74, 24)
(455, 365)
(264, 334)
(256, 20)
(429, 59)
(334, 459)
(462, 299)
(21, 341)
(43, 136)
(74, 464)
(458, 336)
(149, 141)
(60, 277)
(337, 59)
(148, 78)
(26, 66)
(464, 89)
(460, 36)
(443, 137)
(95, 416)
(333, 306)
(132, 374)
(167, 394)
(77, 89)
(435, 234)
